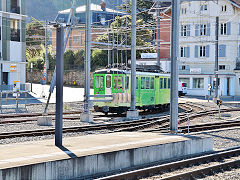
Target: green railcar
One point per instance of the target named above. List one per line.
(152, 90)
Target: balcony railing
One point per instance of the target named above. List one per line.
(15, 35)
(15, 9)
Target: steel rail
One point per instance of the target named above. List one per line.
(171, 167)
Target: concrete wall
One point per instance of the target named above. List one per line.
(110, 161)
(69, 77)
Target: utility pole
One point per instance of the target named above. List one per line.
(216, 57)
(133, 113)
(59, 85)
(174, 66)
(86, 115)
(46, 52)
(158, 33)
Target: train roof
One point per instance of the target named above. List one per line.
(118, 71)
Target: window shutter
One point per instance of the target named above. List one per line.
(187, 67)
(208, 29)
(228, 28)
(196, 29)
(207, 50)
(188, 30)
(188, 52)
(222, 50)
(196, 51)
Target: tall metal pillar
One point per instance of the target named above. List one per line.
(46, 52)
(86, 115)
(216, 56)
(158, 33)
(59, 85)
(133, 113)
(174, 66)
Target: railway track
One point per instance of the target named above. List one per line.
(192, 168)
(28, 117)
(138, 125)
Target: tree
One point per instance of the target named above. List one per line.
(142, 9)
(144, 35)
(99, 59)
(69, 59)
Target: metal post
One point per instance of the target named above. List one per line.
(46, 53)
(174, 66)
(133, 113)
(59, 85)
(216, 56)
(31, 74)
(158, 34)
(86, 116)
(219, 111)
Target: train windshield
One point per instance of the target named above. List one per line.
(99, 81)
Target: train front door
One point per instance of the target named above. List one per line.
(108, 89)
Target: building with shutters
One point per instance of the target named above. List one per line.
(12, 42)
(197, 46)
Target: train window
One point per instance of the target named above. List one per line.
(152, 83)
(161, 83)
(108, 82)
(127, 82)
(169, 83)
(118, 82)
(99, 82)
(165, 83)
(136, 82)
(147, 83)
(142, 82)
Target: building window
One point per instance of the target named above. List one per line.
(15, 8)
(222, 67)
(15, 30)
(203, 7)
(198, 83)
(184, 10)
(76, 39)
(223, 29)
(183, 67)
(183, 30)
(184, 52)
(224, 8)
(202, 51)
(203, 30)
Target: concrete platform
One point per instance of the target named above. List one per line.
(94, 154)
